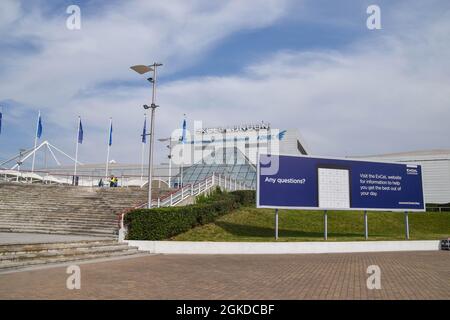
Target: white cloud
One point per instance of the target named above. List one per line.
(132, 32)
(58, 70)
(9, 13)
(387, 94)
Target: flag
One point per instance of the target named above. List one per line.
(110, 135)
(39, 127)
(80, 133)
(144, 131)
(183, 137)
(1, 116)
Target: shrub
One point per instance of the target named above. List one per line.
(157, 224)
(245, 197)
(164, 223)
(208, 198)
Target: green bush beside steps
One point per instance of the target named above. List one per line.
(164, 223)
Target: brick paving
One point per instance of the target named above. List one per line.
(404, 275)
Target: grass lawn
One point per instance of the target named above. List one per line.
(251, 224)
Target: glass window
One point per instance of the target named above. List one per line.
(242, 175)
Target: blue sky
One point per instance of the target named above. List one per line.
(305, 64)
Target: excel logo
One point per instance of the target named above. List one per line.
(412, 171)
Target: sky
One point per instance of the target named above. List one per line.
(311, 65)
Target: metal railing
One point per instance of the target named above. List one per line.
(84, 180)
(438, 209)
(199, 188)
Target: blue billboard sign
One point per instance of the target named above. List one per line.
(304, 182)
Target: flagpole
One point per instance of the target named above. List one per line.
(142, 161)
(76, 147)
(170, 162)
(183, 141)
(35, 142)
(109, 146)
(181, 182)
(1, 116)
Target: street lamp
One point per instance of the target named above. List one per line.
(19, 161)
(141, 69)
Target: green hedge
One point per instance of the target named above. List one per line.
(245, 197)
(164, 223)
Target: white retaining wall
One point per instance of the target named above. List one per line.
(188, 247)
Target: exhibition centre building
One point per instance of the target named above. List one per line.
(435, 170)
(231, 151)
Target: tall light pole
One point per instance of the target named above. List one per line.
(141, 69)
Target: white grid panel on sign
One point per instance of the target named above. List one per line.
(334, 188)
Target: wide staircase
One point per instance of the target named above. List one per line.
(53, 209)
(18, 256)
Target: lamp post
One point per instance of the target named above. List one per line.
(141, 69)
(20, 161)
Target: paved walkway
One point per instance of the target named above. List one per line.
(25, 238)
(405, 275)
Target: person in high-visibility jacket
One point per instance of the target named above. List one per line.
(113, 181)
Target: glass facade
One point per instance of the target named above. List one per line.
(229, 162)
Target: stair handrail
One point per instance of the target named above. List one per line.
(121, 216)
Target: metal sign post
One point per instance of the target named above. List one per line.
(366, 227)
(406, 225)
(276, 224)
(325, 221)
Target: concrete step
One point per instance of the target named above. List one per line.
(29, 207)
(29, 247)
(58, 221)
(15, 256)
(65, 217)
(65, 252)
(60, 217)
(38, 209)
(60, 226)
(53, 227)
(53, 209)
(31, 194)
(80, 257)
(65, 224)
(45, 230)
(41, 209)
(80, 193)
(69, 190)
(98, 197)
(61, 203)
(65, 207)
(67, 213)
(66, 191)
